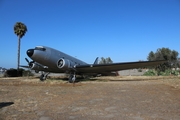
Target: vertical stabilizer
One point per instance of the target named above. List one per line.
(96, 61)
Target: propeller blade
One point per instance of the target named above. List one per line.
(24, 66)
(27, 60)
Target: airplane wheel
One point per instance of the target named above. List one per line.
(70, 79)
(42, 77)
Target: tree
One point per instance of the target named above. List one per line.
(164, 54)
(108, 60)
(20, 30)
(105, 60)
(151, 56)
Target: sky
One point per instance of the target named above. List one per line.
(124, 30)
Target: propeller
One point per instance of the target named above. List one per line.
(29, 63)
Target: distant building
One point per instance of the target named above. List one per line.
(2, 70)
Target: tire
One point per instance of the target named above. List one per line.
(42, 77)
(70, 79)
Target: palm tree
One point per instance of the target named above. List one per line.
(20, 30)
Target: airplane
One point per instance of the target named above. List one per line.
(49, 60)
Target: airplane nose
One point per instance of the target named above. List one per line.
(30, 52)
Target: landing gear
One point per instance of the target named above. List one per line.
(72, 78)
(43, 76)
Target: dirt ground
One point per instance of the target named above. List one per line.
(104, 98)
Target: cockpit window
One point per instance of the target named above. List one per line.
(40, 48)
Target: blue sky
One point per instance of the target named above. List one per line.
(125, 30)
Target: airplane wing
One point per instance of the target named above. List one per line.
(99, 68)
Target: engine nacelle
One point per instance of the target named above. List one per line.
(65, 64)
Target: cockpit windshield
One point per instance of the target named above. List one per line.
(40, 48)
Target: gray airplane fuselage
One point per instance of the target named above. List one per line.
(46, 59)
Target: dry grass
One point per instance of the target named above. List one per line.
(123, 78)
(173, 81)
(56, 81)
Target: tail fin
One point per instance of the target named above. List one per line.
(96, 61)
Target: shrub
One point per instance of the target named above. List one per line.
(175, 72)
(169, 72)
(10, 73)
(165, 73)
(150, 73)
(13, 73)
(27, 73)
